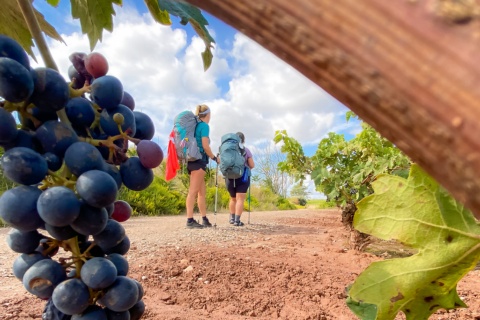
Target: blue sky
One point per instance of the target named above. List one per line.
(248, 88)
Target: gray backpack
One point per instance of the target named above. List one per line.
(184, 127)
(232, 158)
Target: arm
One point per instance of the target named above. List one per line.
(206, 147)
(250, 163)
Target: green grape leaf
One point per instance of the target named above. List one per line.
(421, 214)
(188, 13)
(159, 15)
(12, 24)
(53, 3)
(95, 16)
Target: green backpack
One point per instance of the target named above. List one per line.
(232, 157)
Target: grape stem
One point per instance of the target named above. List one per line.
(37, 35)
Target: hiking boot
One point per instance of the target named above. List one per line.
(238, 224)
(206, 223)
(194, 225)
(232, 220)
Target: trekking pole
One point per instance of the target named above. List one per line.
(216, 195)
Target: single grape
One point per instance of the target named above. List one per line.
(24, 166)
(18, 208)
(10, 48)
(42, 277)
(149, 153)
(24, 261)
(78, 61)
(114, 172)
(91, 220)
(81, 157)
(110, 127)
(58, 206)
(93, 312)
(111, 235)
(23, 242)
(140, 290)
(145, 129)
(80, 112)
(96, 64)
(51, 92)
(16, 83)
(134, 175)
(97, 188)
(128, 100)
(121, 211)
(121, 248)
(54, 163)
(56, 137)
(121, 295)
(120, 263)
(61, 233)
(78, 81)
(8, 127)
(137, 311)
(98, 273)
(115, 315)
(106, 92)
(25, 139)
(71, 296)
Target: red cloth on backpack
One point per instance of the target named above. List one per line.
(172, 165)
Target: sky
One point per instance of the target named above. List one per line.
(247, 88)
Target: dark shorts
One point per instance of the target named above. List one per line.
(197, 165)
(235, 186)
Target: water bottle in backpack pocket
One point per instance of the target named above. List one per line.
(232, 158)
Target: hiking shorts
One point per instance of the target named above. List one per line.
(235, 186)
(197, 165)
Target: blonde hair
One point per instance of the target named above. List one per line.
(202, 110)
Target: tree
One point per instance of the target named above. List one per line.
(344, 170)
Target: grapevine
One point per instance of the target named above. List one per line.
(68, 158)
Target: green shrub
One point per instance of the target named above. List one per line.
(322, 204)
(284, 204)
(157, 199)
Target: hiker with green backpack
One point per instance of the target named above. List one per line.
(236, 163)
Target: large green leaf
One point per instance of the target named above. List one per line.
(419, 213)
(188, 13)
(95, 16)
(12, 24)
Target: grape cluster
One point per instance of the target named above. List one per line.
(63, 210)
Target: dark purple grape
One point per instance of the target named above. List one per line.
(113, 171)
(134, 175)
(128, 100)
(25, 139)
(111, 235)
(121, 295)
(16, 83)
(110, 127)
(92, 313)
(140, 290)
(23, 242)
(137, 310)
(81, 157)
(43, 115)
(90, 221)
(58, 206)
(77, 79)
(51, 92)
(52, 313)
(98, 273)
(56, 137)
(8, 127)
(149, 153)
(61, 233)
(121, 211)
(120, 263)
(97, 188)
(106, 92)
(145, 129)
(109, 209)
(71, 296)
(10, 48)
(24, 166)
(42, 277)
(80, 112)
(18, 208)
(54, 163)
(24, 261)
(121, 248)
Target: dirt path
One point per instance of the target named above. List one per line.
(284, 265)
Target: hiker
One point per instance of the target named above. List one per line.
(197, 169)
(237, 188)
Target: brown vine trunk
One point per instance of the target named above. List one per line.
(408, 68)
(358, 240)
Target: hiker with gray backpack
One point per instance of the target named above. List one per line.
(236, 163)
(192, 143)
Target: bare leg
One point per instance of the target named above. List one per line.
(196, 181)
(239, 203)
(201, 201)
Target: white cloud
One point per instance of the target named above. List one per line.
(164, 74)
